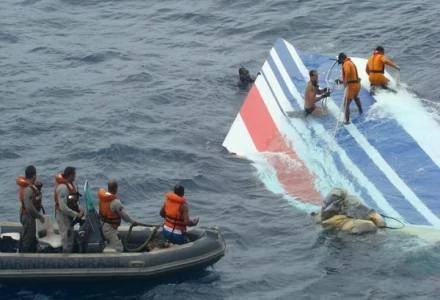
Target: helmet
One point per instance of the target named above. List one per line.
(341, 57)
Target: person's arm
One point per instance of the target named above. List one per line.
(63, 193)
(117, 207)
(162, 211)
(389, 62)
(185, 215)
(28, 194)
(321, 91)
(325, 92)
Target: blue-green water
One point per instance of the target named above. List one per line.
(145, 92)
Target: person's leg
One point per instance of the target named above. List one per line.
(70, 237)
(347, 110)
(318, 111)
(308, 111)
(112, 237)
(178, 239)
(66, 231)
(173, 237)
(387, 88)
(358, 104)
(29, 239)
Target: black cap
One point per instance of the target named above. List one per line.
(341, 57)
(380, 49)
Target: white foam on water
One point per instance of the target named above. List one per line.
(409, 111)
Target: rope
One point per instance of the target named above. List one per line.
(144, 244)
(397, 220)
(433, 103)
(327, 81)
(398, 79)
(339, 117)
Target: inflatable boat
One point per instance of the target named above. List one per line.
(206, 247)
(389, 156)
(145, 254)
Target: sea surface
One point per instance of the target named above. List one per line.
(145, 91)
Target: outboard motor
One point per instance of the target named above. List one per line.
(90, 239)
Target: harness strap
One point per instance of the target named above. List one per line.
(382, 71)
(356, 73)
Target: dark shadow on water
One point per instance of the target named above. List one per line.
(95, 289)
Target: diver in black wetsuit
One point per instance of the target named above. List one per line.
(245, 77)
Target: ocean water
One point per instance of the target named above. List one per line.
(145, 92)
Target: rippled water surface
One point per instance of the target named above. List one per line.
(145, 92)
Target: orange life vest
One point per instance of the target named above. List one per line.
(72, 202)
(376, 69)
(173, 216)
(349, 72)
(23, 183)
(105, 212)
(375, 63)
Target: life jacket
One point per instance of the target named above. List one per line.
(73, 197)
(36, 199)
(351, 225)
(375, 63)
(173, 216)
(105, 211)
(351, 76)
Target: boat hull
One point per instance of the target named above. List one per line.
(206, 248)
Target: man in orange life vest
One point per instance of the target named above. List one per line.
(376, 68)
(352, 84)
(176, 215)
(66, 206)
(29, 195)
(111, 212)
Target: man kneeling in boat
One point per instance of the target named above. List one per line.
(176, 215)
(347, 213)
(311, 95)
(111, 212)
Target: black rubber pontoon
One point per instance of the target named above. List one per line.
(205, 248)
